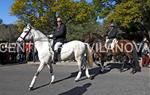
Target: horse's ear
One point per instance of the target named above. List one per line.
(28, 25)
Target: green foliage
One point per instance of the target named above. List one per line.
(80, 17)
(36, 12)
(125, 13)
(103, 7)
(146, 13)
(73, 12)
(42, 13)
(20, 25)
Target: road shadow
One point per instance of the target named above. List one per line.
(93, 72)
(44, 85)
(97, 71)
(78, 90)
(73, 74)
(118, 66)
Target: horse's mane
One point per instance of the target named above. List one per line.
(40, 34)
(99, 36)
(91, 37)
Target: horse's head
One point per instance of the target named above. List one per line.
(26, 34)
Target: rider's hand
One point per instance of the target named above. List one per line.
(50, 36)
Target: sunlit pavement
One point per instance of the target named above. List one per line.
(15, 79)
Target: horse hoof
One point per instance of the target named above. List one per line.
(52, 82)
(102, 70)
(139, 70)
(76, 80)
(121, 70)
(91, 78)
(107, 68)
(30, 88)
(133, 71)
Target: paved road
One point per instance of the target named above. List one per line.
(15, 79)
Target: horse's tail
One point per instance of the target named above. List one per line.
(89, 55)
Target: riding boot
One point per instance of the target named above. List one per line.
(55, 57)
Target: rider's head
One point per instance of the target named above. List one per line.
(112, 23)
(59, 20)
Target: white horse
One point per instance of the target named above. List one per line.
(73, 49)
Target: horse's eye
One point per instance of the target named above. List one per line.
(25, 31)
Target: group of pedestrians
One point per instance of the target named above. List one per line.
(17, 53)
(27, 52)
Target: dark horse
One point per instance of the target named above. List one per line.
(124, 49)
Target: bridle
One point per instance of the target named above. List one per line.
(23, 38)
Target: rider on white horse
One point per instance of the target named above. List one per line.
(59, 37)
(71, 50)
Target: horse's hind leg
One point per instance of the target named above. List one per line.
(51, 72)
(125, 61)
(41, 66)
(87, 73)
(122, 67)
(79, 66)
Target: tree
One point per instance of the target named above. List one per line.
(78, 16)
(104, 7)
(146, 13)
(36, 12)
(42, 13)
(73, 12)
(125, 13)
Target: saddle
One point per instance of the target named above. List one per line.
(60, 47)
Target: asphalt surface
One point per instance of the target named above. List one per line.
(15, 79)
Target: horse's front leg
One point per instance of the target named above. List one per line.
(51, 72)
(41, 66)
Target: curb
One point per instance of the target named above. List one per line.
(69, 63)
(58, 63)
